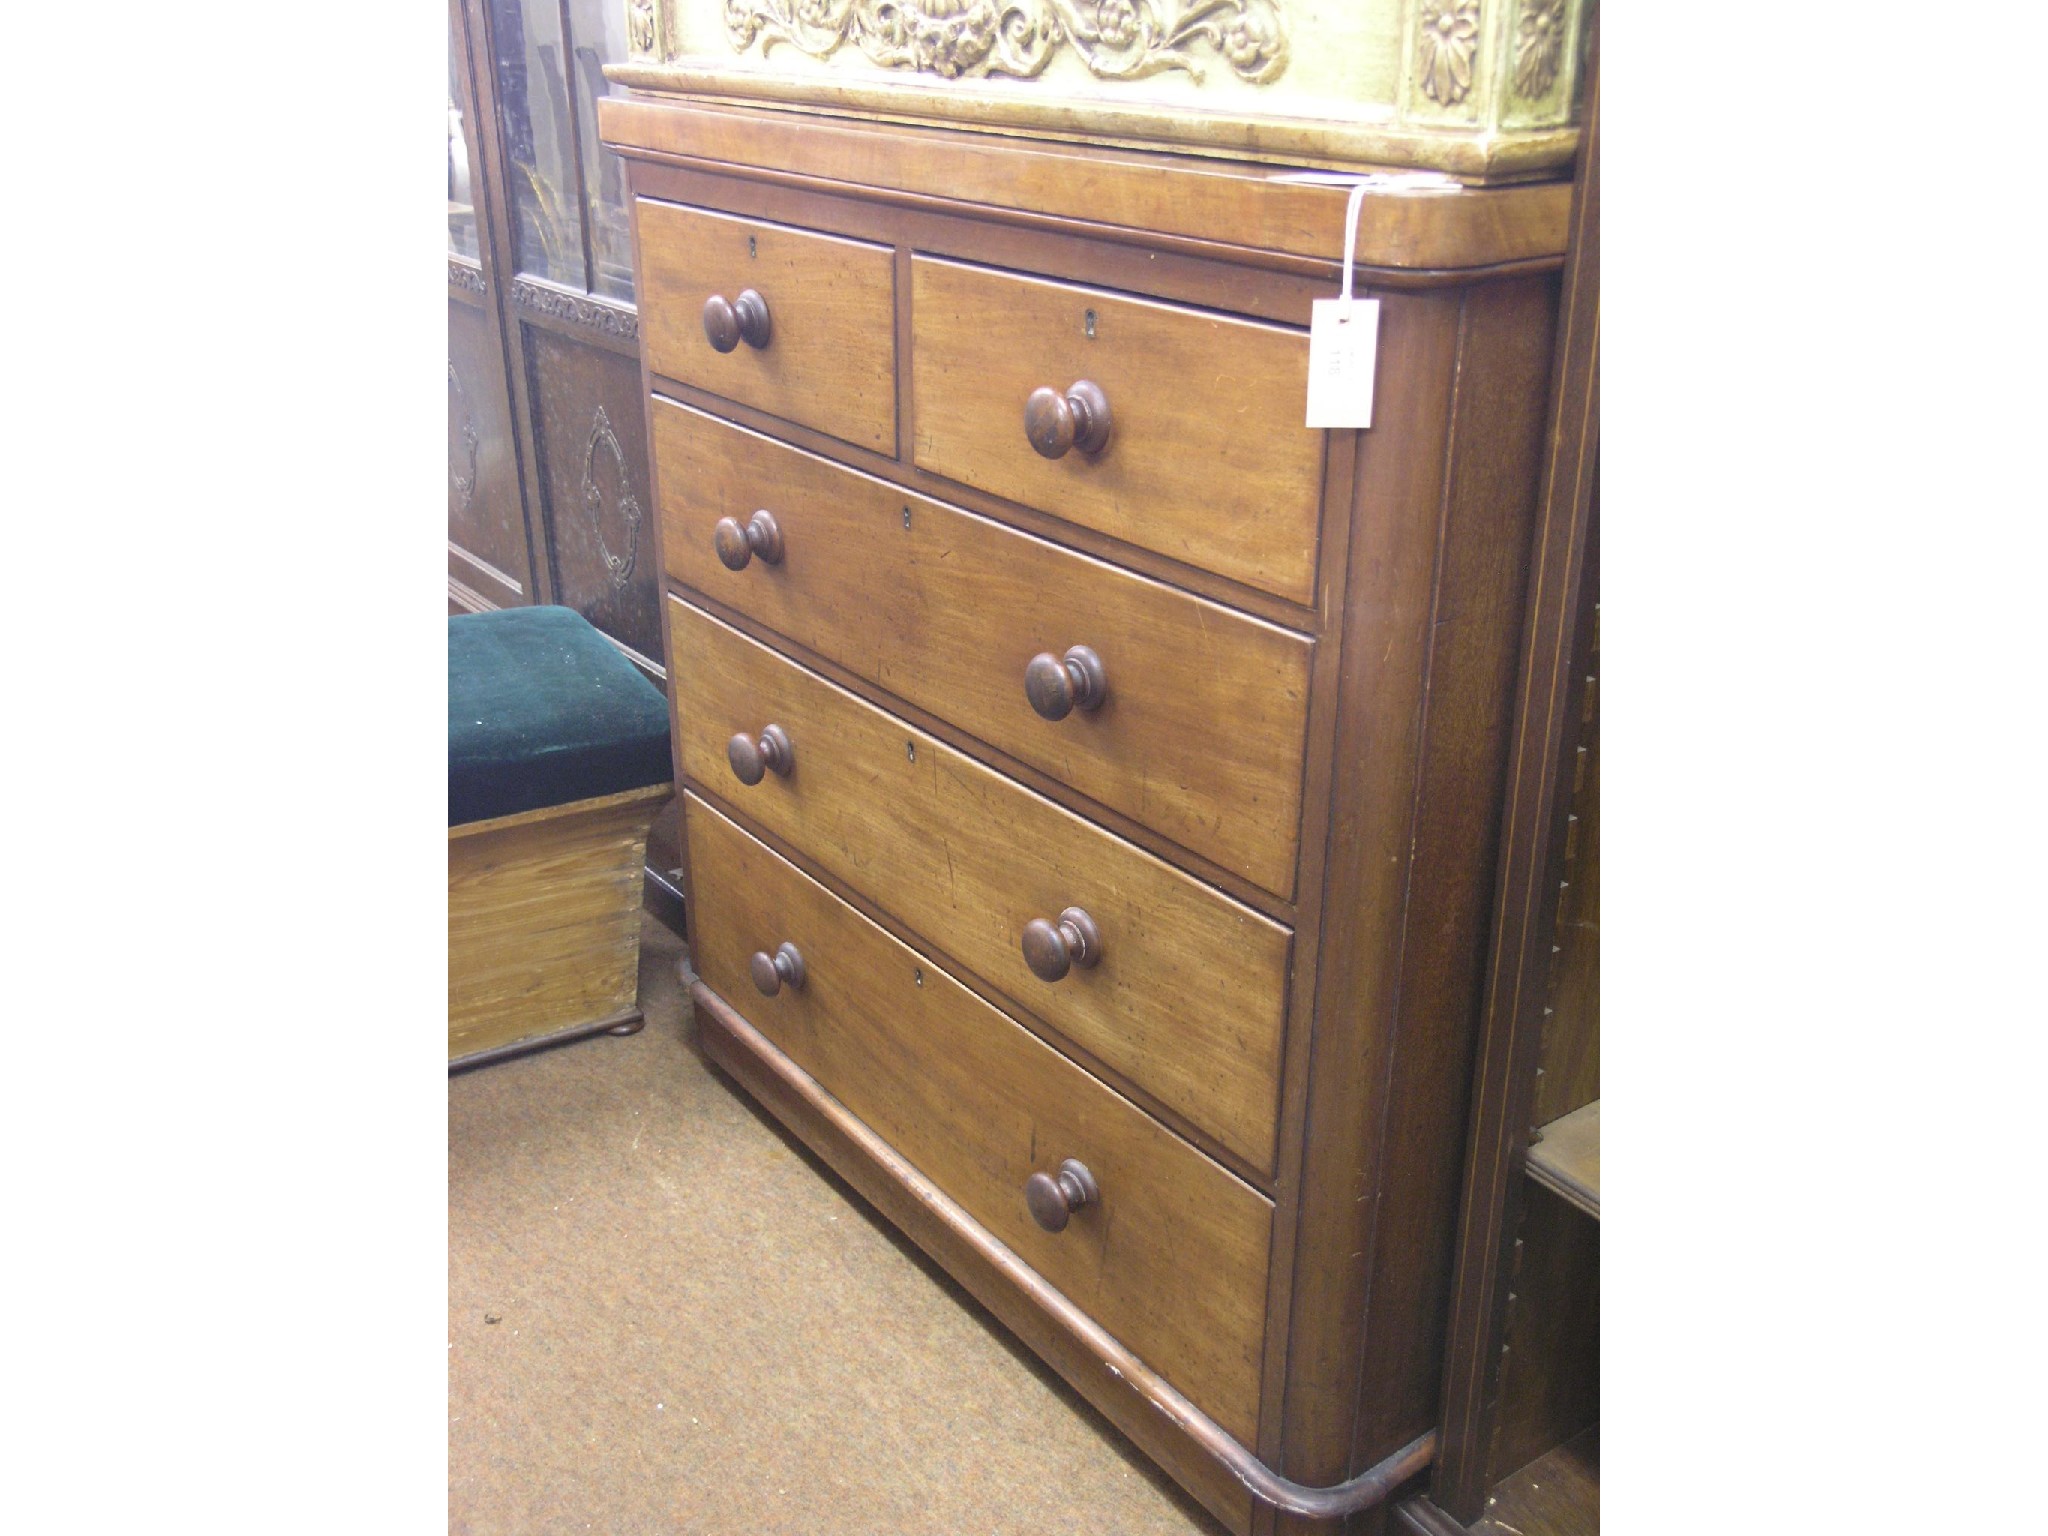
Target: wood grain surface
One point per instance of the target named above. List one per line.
(1550, 1350)
(1215, 203)
(978, 1260)
(1557, 1494)
(831, 358)
(1556, 650)
(1403, 605)
(1208, 461)
(544, 918)
(1480, 584)
(1377, 742)
(1188, 997)
(1172, 1257)
(1202, 734)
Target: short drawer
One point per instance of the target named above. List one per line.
(1207, 460)
(1187, 991)
(1202, 730)
(829, 358)
(979, 1104)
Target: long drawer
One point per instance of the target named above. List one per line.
(1171, 1254)
(828, 359)
(1206, 460)
(1202, 729)
(1187, 994)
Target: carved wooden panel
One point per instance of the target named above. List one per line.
(486, 520)
(591, 440)
(1477, 87)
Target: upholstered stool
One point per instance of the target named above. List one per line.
(558, 760)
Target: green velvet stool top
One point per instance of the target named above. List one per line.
(543, 710)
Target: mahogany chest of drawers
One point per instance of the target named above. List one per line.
(1092, 776)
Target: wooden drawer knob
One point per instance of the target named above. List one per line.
(1053, 1197)
(1051, 949)
(1056, 422)
(1059, 685)
(772, 973)
(753, 756)
(727, 324)
(736, 545)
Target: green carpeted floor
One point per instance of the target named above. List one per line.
(666, 1316)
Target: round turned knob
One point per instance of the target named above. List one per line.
(772, 973)
(752, 756)
(1050, 949)
(1059, 685)
(1079, 419)
(736, 545)
(726, 325)
(1053, 1197)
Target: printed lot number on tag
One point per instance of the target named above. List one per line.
(1343, 345)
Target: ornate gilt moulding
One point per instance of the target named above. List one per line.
(1487, 89)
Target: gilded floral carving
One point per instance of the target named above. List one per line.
(1448, 39)
(640, 29)
(956, 39)
(1539, 47)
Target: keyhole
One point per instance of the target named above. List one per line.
(750, 247)
(910, 750)
(917, 975)
(906, 517)
(1088, 324)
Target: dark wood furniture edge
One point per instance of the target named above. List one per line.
(1557, 1494)
(1424, 713)
(1093, 1361)
(1422, 1518)
(1379, 625)
(1561, 1175)
(1475, 623)
(628, 1021)
(664, 898)
(810, 153)
(1318, 268)
(1531, 863)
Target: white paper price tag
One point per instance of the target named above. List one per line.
(1343, 344)
(1344, 332)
